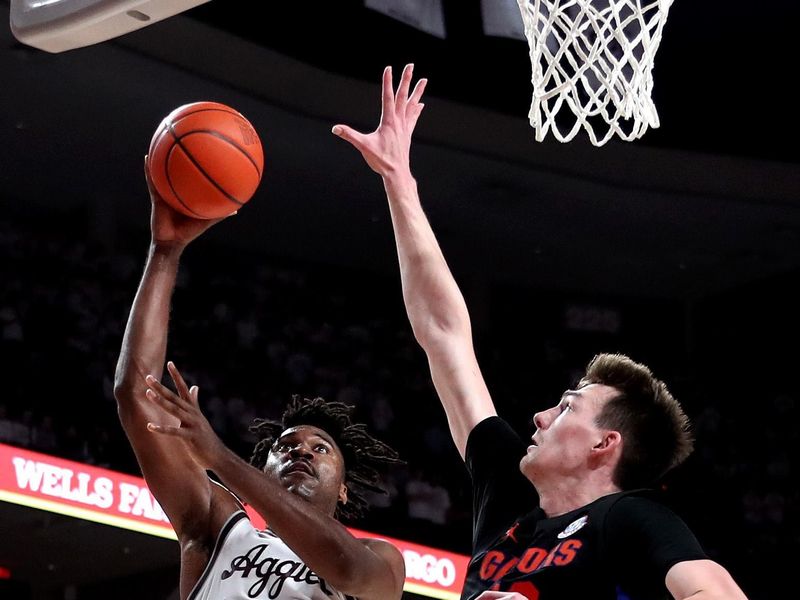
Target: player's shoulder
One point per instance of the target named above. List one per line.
(645, 499)
(225, 496)
(640, 502)
(640, 509)
(204, 529)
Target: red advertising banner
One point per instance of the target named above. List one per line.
(103, 496)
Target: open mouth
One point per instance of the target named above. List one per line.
(299, 466)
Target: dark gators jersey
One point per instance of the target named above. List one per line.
(618, 547)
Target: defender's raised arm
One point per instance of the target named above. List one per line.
(434, 303)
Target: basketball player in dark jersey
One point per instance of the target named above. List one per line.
(306, 470)
(564, 515)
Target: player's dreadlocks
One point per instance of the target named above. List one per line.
(363, 454)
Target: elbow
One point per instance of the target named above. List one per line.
(433, 333)
(352, 582)
(126, 397)
(128, 379)
(123, 394)
(371, 569)
(123, 390)
(348, 578)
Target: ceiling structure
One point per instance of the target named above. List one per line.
(706, 202)
(720, 69)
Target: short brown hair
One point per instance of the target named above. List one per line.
(655, 430)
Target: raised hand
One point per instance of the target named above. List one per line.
(387, 149)
(194, 430)
(168, 226)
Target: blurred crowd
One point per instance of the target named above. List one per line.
(253, 330)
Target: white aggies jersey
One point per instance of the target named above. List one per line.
(248, 563)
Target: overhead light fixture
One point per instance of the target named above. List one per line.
(60, 25)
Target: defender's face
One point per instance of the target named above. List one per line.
(307, 462)
(565, 434)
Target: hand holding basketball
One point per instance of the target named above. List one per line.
(168, 226)
(205, 160)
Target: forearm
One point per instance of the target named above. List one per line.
(437, 312)
(185, 499)
(321, 541)
(144, 343)
(435, 305)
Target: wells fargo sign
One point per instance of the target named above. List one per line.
(86, 492)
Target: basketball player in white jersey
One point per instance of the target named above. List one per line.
(305, 471)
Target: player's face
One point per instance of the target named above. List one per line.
(307, 462)
(565, 435)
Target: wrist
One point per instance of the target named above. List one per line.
(399, 183)
(224, 461)
(169, 250)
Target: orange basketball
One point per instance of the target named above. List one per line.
(205, 160)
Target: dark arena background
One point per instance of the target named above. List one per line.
(681, 249)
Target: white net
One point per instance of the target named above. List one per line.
(592, 66)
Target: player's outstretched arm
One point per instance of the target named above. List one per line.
(179, 484)
(434, 303)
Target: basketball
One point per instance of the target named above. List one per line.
(205, 160)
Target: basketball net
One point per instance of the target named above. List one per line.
(592, 66)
